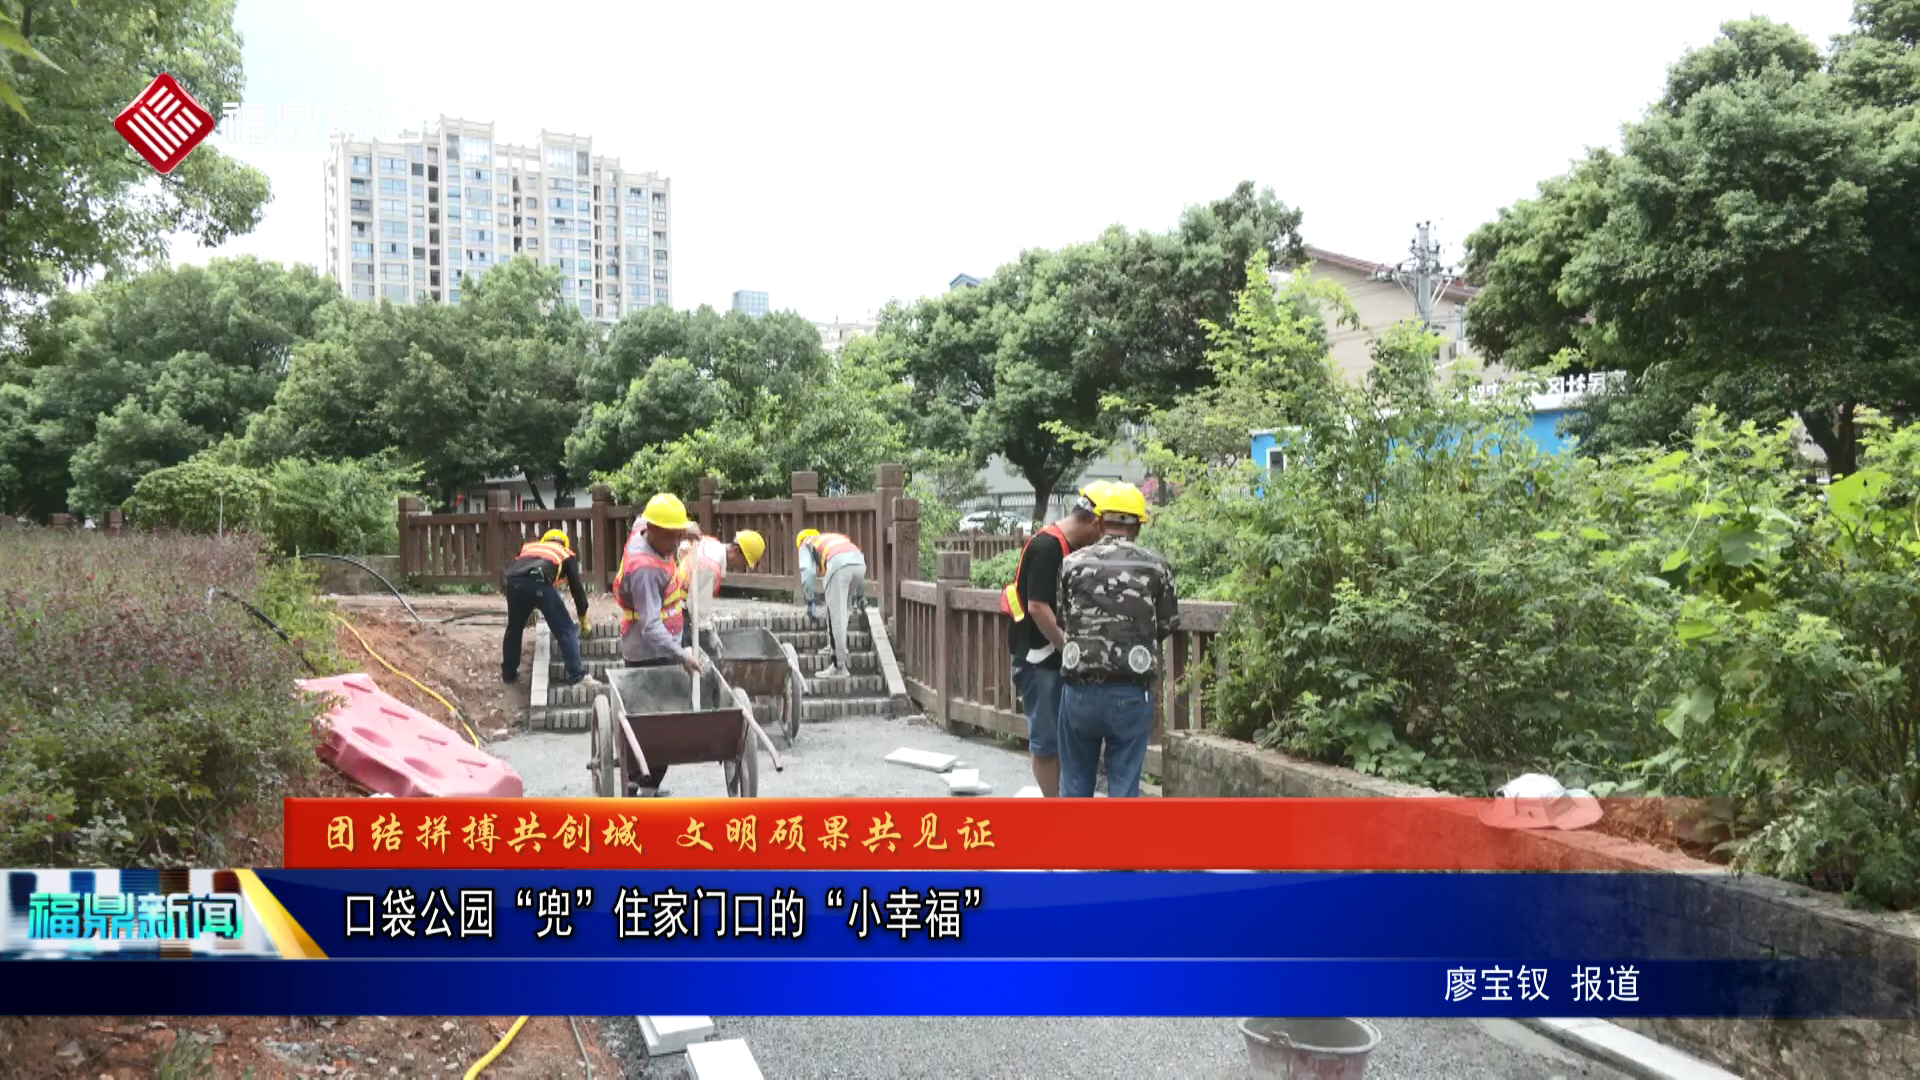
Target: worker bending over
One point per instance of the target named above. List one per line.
(1035, 638)
(837, 560)
(651, 590)
(713, 560)
(1117, 605)
(532, 584)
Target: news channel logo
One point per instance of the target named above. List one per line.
(76, 914)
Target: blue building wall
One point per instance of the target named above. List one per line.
(1542, 427)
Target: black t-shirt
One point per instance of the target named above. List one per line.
(1039, 581)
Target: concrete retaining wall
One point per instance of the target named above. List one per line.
(1719, 914)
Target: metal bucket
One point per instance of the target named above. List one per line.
(1308, 1048)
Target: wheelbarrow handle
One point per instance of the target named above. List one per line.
(746, 710)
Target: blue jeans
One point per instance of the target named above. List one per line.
(1118, 716)
(526, 595)
(1039, 689)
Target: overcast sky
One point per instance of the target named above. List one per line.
(839, 155)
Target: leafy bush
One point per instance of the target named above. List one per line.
(201, 497)
(137, 717)
(997, 572)
(1423, 594)
(338, 507)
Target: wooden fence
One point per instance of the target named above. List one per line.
(474, 548)
(981, 546)
(950, 639)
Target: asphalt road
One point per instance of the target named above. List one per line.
(844, 758)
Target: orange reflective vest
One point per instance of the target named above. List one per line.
(551, 552)
(827, 545)
(707, 554)
(1010, 596)
(673, 602)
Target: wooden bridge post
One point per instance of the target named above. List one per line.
(903, 561)
(956, 572)
(409, 554)
(709, 495)
(888, 483)
(806, 485)
(496, 548)
(599, 541)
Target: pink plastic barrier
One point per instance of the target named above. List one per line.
(383, 744)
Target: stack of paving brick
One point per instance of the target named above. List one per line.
(863, 692)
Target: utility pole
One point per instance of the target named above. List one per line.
(1424, 277)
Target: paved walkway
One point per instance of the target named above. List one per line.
(843, 758)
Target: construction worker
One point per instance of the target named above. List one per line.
(714, 560)
(532, 584)
(651, 590)
(836, 560)
(1117, 605)
(1035, 637)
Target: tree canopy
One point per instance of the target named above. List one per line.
(138, 373)
(1751, 246)
(1047, 338)
(74, 197)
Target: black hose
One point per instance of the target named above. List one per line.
(262, 616)
(382, 579)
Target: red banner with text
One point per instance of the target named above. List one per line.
(973, 834)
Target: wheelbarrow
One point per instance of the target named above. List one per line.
(755, 661)
(642, 720)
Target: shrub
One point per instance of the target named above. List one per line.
(1422, 594)
(137, 717)
(200, 496)
(997, 572)
(338, 507)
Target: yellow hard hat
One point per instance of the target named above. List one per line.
(805, 535)
(1094, 492)
(752, 546)
(665, 511)
(556, 536)
(1123, 499)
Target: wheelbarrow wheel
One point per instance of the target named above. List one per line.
(743, 772)
(606, 749)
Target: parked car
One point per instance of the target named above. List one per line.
(995, 522)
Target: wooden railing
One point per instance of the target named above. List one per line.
(982, 546)
(474, 548)
(951, 641)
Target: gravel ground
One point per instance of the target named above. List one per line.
(799, 1047)
(843, 758)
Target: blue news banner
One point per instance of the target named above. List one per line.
(1013, 943)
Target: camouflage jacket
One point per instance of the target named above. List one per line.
(1116, 604)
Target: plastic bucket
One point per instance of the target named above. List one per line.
(1308, 1048)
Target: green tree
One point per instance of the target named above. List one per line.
(483, 388)
(1046, 339)
(745, 356)
(1752, 245)
(671, 400)
(141, 372)
(74, 198)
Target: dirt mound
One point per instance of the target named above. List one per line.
(460, 661)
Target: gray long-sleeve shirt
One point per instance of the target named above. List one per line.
(647, 638)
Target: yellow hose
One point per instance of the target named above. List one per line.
(351, 629)
(497, 1047)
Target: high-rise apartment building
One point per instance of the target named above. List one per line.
(751, 303)
(410, 220)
